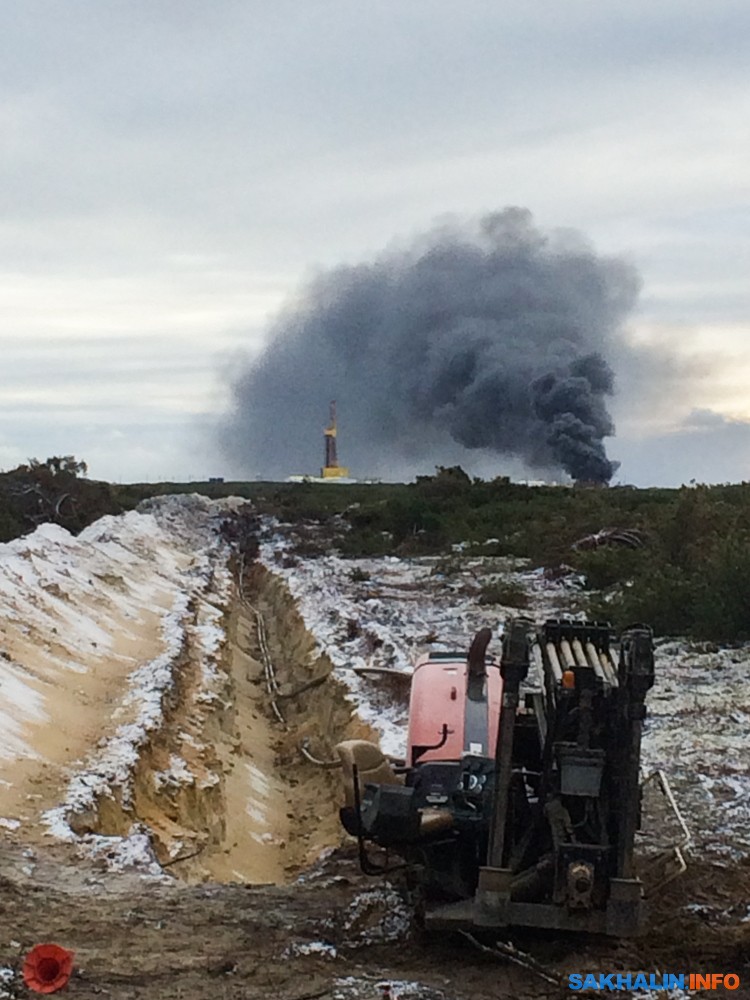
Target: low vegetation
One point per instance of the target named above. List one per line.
(504, 592)
(55, 490)
(690, 577)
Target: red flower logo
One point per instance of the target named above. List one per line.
(47, 968)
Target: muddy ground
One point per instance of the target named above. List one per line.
(243, 905)
(153, 938)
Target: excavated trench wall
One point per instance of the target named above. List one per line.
(222, 787)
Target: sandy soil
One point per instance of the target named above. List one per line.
(79, 685)
(279, 812)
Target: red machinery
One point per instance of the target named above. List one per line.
(440, 689)
(519, 799)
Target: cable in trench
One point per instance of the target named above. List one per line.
(272, 685)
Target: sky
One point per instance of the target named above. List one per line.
(173, 172)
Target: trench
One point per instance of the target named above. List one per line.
(223, 788)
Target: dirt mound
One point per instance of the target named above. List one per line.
(88, 628)
(221, 787)
(140, 729)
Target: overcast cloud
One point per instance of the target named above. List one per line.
(173, 171)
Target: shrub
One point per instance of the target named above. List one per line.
(359, 575)
(710, 601)
(606, 567)
(506, 592)
(447, 567)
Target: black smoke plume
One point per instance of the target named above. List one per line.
(491, 336)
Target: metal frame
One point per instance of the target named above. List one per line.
(674, 850)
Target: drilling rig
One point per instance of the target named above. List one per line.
(331, 468)
(519, 799)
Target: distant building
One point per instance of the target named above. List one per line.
(541, 482)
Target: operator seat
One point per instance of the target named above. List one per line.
(373, 769)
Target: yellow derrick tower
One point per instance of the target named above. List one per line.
(332, 469)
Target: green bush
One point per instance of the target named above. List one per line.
(55, 490)
(359, 575)
(447, 567)
(710, 599)
(366, 544)
(724, 593)
(505, 592)
(605, 567)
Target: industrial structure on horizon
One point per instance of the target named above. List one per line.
(331, 472)
(331, 469)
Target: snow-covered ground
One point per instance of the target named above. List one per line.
(91, 633)
(66, 602)
(386, 612)
(697, 731)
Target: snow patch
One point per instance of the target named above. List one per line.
(177, 774)
(133, 853)
(377, 916)
(9, 981)
(321, 948)
(112, 767)
(172, 545)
